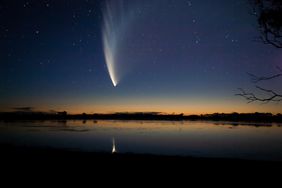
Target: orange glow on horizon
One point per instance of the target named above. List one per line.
(187, 107)
(166, 109)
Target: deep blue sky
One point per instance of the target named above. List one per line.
(175, 56)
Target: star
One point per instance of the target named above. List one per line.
(26, 4)
(189, 3)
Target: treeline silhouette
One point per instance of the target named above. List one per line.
(247, 117)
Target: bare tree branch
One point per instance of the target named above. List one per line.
(269, 16)
(268, 37)
(279, 68)
(256, 79)
(251, 97)
(270, 95)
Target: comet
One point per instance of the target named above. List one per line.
(116, 19)
(109, 52)
(111, 31)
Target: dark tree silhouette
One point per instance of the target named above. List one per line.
(269, 16)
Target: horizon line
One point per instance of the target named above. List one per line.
(134, 112)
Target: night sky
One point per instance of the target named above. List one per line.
(170, 56)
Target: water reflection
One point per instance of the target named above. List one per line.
(114, 146)
(190, 138)
(234, 124)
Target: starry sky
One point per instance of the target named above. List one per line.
(174, 56)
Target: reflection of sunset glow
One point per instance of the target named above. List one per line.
(208, 139)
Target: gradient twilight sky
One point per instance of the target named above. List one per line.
(173, 56)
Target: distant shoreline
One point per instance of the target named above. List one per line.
(232, 117)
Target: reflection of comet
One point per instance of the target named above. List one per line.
(114, 147)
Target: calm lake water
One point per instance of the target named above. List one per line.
(188, 138)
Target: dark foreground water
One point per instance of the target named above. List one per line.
(186, 138)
